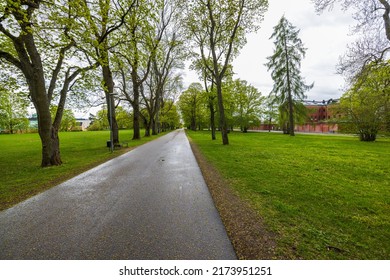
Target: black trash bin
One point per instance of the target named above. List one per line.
(108, 143)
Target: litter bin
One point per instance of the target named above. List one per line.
(108, 143)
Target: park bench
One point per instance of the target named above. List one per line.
(120, 145)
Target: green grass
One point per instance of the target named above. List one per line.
(21, 175)
(325, 197)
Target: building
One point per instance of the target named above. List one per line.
(83, 123)
(322, 117)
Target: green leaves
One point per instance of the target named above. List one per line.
(285, 63)
(366, 105)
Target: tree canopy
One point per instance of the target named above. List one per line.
(366, 105)
(289, 86)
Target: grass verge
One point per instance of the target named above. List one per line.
(20, 157)
(323, 197)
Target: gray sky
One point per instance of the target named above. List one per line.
(325, 36)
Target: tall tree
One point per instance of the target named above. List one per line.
(248, 101)
(103, 19)
(191, 105)
(34, 38)
(218, 28)
(285, 64)
(144, 30)
(373, 26)
(169, 118)
(367, 104)
(164, 72)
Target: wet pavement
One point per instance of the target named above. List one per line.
(150, 203)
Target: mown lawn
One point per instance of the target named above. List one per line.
(20, 156)
(325, 197)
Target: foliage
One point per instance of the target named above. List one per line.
(373, 24)
(285, 63)
(100, 120)
(248, 102)
(68, 121)
(35, 38)
(170, 118)
(270, 115)
(217, 28)
(323, 196)
(367, 104)
(13, 107)
(192, 107)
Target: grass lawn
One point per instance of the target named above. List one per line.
(325, 197)
(21, 175)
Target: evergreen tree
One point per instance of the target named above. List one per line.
(285, 63)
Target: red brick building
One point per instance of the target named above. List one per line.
(321, 117)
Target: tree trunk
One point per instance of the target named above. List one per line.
(154, 126)
(222, 120)
(290, 100)
(49, 139)
(109, 90)
(212, 120)
(147, 125)
(367, 137)
(136, 116)
(147, 129)
(56, 156)
(193, 123)
(269, 124)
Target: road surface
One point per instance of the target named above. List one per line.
(150, 203)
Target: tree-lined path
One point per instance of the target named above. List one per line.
(151, 203)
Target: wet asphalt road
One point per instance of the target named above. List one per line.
(151, 203)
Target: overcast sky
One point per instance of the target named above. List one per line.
(325, 36)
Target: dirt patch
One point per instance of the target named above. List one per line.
(244, 225)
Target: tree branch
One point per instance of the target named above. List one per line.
(11, 59)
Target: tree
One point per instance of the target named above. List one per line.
(13, 106)
(248, 103)
(170, 118)
(210, 90)
(217, 28)
(163, 80)
(124, 118)
(68, 121)
(373, 23)
(34, 38)
(366, 105)
(191, 106)
(104, 19)
(285, 64)
(144, 30)
(99, 121)
(270, 113)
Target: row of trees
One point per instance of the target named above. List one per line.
(168, 118)
(67, 51)
(130, 49)
(243, 103)
(366, 67)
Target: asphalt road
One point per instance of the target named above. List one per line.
(151, 203)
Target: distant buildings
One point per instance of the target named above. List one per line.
(83, 124)
(322, 117)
